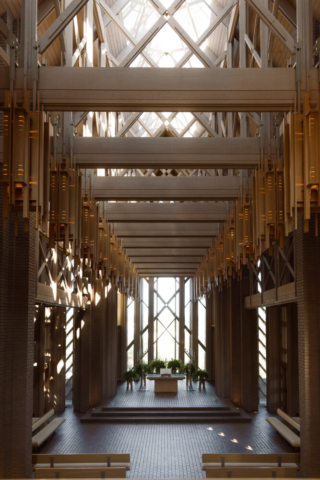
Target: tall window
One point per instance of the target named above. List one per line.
(166, 318)
(69, 351)
(130, 333)
(187, 320)
(262, 331)
(262, 342)
(144, 315)
(202, 332)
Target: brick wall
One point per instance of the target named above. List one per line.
(17, 299)
(308, 286)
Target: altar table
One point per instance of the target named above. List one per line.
(166, 384)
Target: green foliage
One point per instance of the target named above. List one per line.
(200, 375)
(186, 367)
(156, 364)
(175, 364)
(138, 368)
(129, 375)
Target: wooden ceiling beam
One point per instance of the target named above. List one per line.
(166, 252)
(222, 188)
(166, 213)
(167, 152)
(159, 260)
(163, 89)
(162, 242)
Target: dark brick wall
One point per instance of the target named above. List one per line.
(308, 286)
(17, 300)
(236, 345)
(273, 359)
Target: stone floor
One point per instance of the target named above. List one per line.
(165, 451)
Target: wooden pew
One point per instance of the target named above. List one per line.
(46, 432)
(41, 420)
(81, 460)
(250, 464)
(249, 472)
(109, 472)
(292, 421)
(281, 428)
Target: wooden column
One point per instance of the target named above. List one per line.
(308, 285)
(194, 339)
(292, 360)
(209, 345)
(151, 319)
(82, 365)
(122, 332)
(38, 365)
(235, 388)
(96, 344)
(112, 343)
(137, 328)
(181, 318)
(273, 359)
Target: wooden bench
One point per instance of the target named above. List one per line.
(281, 428)
(250, 464)
(81, 460)
(291, 420)
(109, 472)
(38, 422)
(46, 432)
(249, 472)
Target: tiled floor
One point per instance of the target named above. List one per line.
(185, 398)
(165, 451)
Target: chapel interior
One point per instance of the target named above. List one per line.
(159, 239)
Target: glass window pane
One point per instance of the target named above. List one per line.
(187, 315)
(144, 341)
(202, 321)
(130, 358)
(144, 316)
(201, 357)
(166, 288)
(145, 291)
(166, 348)
(166, 317)
(187, 341)
(130, 321)
(187, 291)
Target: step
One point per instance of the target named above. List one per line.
(165, 409)
(165, 420)
(167, 413)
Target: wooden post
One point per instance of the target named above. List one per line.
(181, 323)
(151, 319)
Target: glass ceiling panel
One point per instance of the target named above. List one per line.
(166, 48)
(140, 62)
(193, 62)
(138, 17)
(194, 17)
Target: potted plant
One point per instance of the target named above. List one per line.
(129, 376)
(202, 376)
(138, 370)
(175, 364)
(156, 364)
(189, 369)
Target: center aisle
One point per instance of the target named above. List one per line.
(165, 451)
